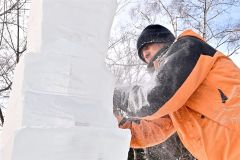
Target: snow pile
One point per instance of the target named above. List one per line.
(61, 104)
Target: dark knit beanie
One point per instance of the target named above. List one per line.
(153, 33)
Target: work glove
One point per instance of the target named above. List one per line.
(120, 107)
(128, 101)
(120, 101)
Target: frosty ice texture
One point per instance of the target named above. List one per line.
(61, 104)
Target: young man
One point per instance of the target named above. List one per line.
(196, 93)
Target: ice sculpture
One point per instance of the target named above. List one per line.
(61, 104)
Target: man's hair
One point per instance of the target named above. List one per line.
(154, 33)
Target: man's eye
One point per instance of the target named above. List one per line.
(147, 55)
(145, 47)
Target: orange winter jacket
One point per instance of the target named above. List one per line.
(198, 96)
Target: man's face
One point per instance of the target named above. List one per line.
(150, 50)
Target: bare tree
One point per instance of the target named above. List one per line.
(210, 18)
(122, 59)
(13, 28)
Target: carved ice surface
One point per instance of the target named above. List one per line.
(61, 104)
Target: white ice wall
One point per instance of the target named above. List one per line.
(61, 104)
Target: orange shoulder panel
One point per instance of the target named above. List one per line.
(189, 32)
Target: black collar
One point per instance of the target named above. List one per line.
(161, 52)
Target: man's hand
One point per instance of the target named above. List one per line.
(130, 101)
(120, 101)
